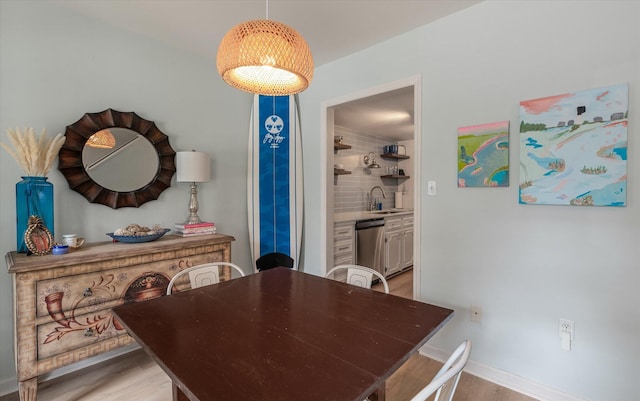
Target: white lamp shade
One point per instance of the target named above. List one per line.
(193, 167)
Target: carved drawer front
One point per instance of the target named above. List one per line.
(81, 292)
(76, 331)
(75, 311)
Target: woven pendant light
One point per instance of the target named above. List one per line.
(265, 57)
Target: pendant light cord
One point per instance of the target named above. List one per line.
(267, 12)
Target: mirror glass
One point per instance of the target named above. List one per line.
(120, 159)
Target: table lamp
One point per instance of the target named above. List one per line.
(193, 167)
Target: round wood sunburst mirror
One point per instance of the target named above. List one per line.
(117, 159)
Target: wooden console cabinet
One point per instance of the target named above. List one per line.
(63, 303)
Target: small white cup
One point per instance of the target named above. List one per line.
(72, 240)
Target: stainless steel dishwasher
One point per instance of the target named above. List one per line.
(370, 243)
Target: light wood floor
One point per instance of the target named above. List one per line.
(135, 376)
(400, 285)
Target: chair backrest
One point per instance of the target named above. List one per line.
(446, 380)
(205, 274)
(274, 259)
(357, 275)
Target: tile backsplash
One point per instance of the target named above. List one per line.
(351, 192)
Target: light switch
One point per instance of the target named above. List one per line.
(431, 188)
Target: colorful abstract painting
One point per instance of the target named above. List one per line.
(483, 155)
(573, 148)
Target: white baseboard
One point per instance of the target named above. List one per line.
(8, 386)
(505, 379)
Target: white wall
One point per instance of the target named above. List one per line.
(527, 266)
(55, 66)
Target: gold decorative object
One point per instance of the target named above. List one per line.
(34, 154)
(265, 57)
(37, 237)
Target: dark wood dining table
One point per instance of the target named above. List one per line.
(280, 335)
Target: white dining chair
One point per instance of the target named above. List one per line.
(444, 383)
(357, 275)
(205, 274)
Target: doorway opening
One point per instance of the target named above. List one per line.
(371, 118)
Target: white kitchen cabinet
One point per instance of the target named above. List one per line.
(407, 247)
(393, 252)
(398, 243)
(343, 243)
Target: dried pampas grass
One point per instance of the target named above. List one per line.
(35, 154)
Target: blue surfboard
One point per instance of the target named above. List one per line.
(274, 183)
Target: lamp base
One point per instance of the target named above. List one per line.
(193, 206)
(193, 220)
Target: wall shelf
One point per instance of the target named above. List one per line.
(337, 171)
(397, 176)
(394, 156)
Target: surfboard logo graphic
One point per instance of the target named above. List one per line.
(274, 125)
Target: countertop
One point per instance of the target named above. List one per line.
(363, 215)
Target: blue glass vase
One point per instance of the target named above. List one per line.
(34, 196)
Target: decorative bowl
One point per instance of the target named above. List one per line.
(134, 239)
(60, 249)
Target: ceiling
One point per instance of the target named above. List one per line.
(389, 114)
(332, 28)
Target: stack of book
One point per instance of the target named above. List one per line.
(188, 230)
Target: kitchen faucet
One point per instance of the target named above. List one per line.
(372, 205)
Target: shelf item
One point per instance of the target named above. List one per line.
(395, 176)
(338, 171)
(340, 146)
(394, 156)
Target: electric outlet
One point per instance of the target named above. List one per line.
(476, 313)
(567, 326)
